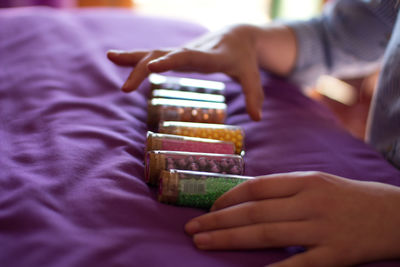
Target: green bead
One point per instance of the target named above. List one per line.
(202, 193)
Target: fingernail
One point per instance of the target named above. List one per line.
(114, 51)
(202, 240)
(125, 88)
(192, 227)
(257, 115)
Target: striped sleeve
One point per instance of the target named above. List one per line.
(384, 122)
(348, 40)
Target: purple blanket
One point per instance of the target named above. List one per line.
(72, 190)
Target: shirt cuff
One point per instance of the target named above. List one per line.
(312, 51)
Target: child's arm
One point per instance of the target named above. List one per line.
(236, 51)
(349, 38)
(341, 222)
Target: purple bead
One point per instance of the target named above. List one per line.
(231, 162)
(202, 163)
(235, 170)
(194, 167)
(170, 161)
(170, 166)
(212, 162)
(215, 169)
(190, 160)
(182, 163)
(224, 164)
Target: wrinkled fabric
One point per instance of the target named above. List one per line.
(72, 190)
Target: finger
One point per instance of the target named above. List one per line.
(265, 211)
(125, 58)
(265, 187)
(140, 72)
(252, 89)
(136, 77)
(187, 60)
(319, 256)
(257, 236)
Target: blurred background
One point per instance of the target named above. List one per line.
(213, 14)
(349, 99)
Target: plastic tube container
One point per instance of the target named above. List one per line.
(176, 94)
(157, 141)
(195, 189)
(159, 160)
(158, 81)
(230, 133)
(161, 109)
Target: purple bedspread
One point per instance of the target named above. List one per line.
(72, 190)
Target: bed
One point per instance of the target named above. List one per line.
(72, 190)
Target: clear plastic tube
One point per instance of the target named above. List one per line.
(158, 141)
(230, 133)
(159, 160)
(161, 109)
(195, 189)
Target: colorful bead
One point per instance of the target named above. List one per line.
(156, 161)
(156, 141)
(229, 133)
(195, 189)
(161, 109)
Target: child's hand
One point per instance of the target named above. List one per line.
(341, 222)
(231, 51)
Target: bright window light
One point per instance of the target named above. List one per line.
(213, 14)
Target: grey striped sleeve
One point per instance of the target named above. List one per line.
(348, 40)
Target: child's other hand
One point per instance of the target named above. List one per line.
(231, 51)
(341, 222)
